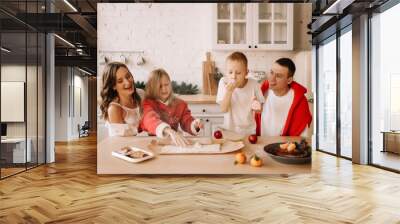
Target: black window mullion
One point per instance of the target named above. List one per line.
(37, 90)
(0, 96)
(316, 95)
(369, 78)
(338, 74)
(44, 79)
(25, 87)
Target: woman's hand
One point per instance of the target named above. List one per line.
(176, 137)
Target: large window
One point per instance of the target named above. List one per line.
(385, 88)
(346, 95)
(327, 96)
(334, 97)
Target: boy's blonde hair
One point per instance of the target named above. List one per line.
(237, 56)
(153, 84)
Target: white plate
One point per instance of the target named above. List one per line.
(133, 160)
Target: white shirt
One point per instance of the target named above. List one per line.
(131, 118)
(275, 112)
(240, 117)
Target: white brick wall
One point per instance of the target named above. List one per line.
(177, 36)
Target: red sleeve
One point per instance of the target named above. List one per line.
(257, 116)
(151, 119)
(301, 119)
(264, 86)
(186, 119)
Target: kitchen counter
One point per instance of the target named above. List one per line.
(192, 163)
(198, 99)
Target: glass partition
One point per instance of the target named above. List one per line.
(13, 86)
(22, 62)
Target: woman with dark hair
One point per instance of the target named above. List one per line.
(121, 101)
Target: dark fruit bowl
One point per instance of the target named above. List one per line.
(301, 157)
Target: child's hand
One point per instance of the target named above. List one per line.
(198, 125)
(177, 138)
(256, 105)
(231, 85)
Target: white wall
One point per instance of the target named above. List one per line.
(61, 103)
(177, 36)
(17, 73)
(66, 121)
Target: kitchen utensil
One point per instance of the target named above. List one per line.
(209, 83)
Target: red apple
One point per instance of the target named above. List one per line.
(253, 139)
(218, 134)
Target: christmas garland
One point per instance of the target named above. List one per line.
(182, 89)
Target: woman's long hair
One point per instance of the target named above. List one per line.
(108, 93)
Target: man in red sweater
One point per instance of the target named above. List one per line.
(285, 111)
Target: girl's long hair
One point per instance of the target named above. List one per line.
(108, 93)
(153, 85)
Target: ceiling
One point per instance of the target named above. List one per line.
(76, 22)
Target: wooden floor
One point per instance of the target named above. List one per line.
(10, 171)
(69, 191)
(387, 159)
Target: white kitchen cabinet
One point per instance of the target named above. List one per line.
(253, 26)
(211, 116)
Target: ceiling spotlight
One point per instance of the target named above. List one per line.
(84, 71)
(5, 50)
(337, 7)
(70, 5)
(65, 41)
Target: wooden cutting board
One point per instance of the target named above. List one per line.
(209, 83)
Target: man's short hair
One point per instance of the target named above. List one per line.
(289, 64)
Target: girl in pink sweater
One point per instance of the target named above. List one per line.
(163, 113)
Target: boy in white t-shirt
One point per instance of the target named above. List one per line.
(238, 96)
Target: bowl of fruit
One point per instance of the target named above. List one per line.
(290, 152)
